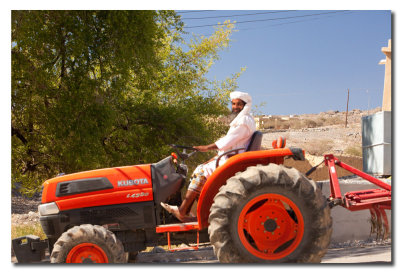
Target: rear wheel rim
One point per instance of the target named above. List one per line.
(270, 226)
(87, 253)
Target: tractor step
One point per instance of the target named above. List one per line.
(177, 228)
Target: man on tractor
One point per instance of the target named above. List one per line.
(241, 129)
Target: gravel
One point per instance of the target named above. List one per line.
(24, 210)
(362, 243)
(23, 205)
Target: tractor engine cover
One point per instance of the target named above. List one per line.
(99, 187)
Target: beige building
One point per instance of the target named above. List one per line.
(387, 87)
(261, 121)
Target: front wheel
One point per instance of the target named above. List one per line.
(270, 214)
(88, 244)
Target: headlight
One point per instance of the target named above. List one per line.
(48, 208)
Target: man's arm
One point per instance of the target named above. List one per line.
(206, 148)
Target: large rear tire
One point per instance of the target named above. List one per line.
(271, 214)
(88, 244)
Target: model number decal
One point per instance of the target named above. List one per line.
(125, 183)
(137, 195)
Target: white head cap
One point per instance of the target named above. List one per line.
(241, 95)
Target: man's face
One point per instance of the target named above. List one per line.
(237, 105)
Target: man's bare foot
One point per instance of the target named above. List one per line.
(174, 210)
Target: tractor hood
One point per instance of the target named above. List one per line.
(99, 187)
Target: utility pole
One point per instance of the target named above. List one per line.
(347, 109)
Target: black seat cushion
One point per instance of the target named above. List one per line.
(255, 141)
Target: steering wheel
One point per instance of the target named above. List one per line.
(183, 155)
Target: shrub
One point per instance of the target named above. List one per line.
(295, 124)
(22, 230)
(319, 147)
(308, 123)
(354, 151)
(334, 120)
(320, 121)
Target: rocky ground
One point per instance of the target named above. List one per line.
(347, 253)
(24, 210)
(327, 134)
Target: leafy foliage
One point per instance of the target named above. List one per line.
(23, 229)
(94, 89)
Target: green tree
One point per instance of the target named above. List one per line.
(93, 89)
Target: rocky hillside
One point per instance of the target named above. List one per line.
(320, 134)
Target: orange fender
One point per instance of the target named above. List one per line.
(237, 163)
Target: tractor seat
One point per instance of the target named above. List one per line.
(255, 142)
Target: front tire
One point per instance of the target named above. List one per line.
(271, 214)
(88, 244)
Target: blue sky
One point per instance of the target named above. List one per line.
(304, 64)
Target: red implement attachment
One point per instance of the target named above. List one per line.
(177, 228)
(376, 200)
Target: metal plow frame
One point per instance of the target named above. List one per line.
(375, 200)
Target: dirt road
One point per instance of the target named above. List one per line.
(370, 254)
(359, 254)
(375, 254)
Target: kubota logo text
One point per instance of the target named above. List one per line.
(125, 183)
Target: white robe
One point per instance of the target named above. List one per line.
(238, 136)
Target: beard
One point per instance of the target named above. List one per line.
(232, 116)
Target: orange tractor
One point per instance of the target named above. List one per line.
(252, 209)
